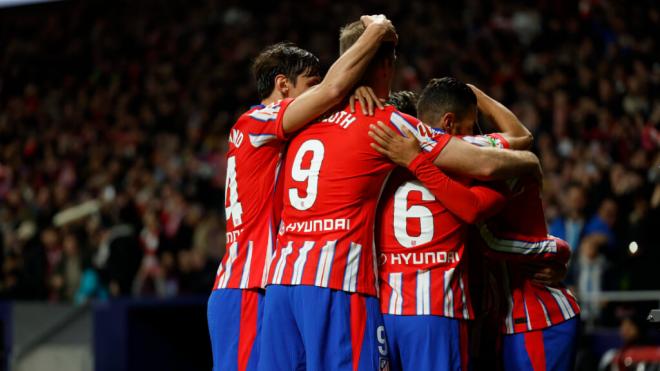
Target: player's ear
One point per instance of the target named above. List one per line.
(447, 122)
(282, 85)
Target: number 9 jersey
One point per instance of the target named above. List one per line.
(332, 183)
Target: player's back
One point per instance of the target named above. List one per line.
(252, 198)
(332, 183)
(421, 245)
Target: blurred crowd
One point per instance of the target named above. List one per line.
(114, 121)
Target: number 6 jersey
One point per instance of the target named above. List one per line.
(332, 183)
(252, 198)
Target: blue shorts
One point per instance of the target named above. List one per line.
(550, 349)
(234, 317)
(316, 329)
(426, 342)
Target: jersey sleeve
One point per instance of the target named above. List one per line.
(495, 140)
(430, 141)
(468, 204)
(266, 123)
(549, 249)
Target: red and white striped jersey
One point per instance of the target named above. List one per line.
(252, 196)
(332, 183)
(422, 243)
(518, 234)
(529, 306)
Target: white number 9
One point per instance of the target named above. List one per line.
(311, 175)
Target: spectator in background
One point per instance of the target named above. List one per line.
(602, 223)
(589, 270)
(69, 271)
(90, 286)
(569, 226)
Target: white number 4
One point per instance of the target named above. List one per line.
(234, 210)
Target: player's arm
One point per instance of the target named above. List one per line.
(471, 204)
(513, 131)
(484, 163)
(546, 251)
(341, 76)
(545, 260)
(468, 204)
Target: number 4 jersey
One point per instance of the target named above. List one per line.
(332, 183)
(252, 198)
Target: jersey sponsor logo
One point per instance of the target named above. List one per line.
(235, 137)
(341, 118)
(420, 258)
(317, 225)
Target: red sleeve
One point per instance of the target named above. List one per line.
(468, 204)
(500, 138)
(430, 141)
(279, 128)
(266, 123)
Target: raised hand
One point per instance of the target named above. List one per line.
(381, 21)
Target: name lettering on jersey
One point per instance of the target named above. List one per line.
(318, 225)
(233, 235)
(341, 118)
(424, 134)
(235, 137)
(421, 258)
(424, 130)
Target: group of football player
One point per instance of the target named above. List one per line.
(370, 230)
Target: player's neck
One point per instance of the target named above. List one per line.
(274, 97)
(380, 87)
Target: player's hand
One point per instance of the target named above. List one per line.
(479, 94)
(550, 274)
(401, 150)
(367, 98)
(380, 20)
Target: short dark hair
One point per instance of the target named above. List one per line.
(282, 58)
(405, 101)
(349, 35)
(445, 95)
